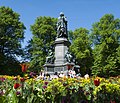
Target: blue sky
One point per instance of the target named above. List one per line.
(79, 13)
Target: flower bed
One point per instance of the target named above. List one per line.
(61, 90)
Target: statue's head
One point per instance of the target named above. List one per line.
(61, 14)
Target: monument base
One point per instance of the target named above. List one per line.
(59, 68)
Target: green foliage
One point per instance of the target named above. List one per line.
(81, 49)
(118, 54)
(61, 90)
(11, 36)
(44, 33)
(105, 37)
(107, 92)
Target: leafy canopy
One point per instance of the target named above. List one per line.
(11, 36)
(106, 40)
(44, 33)
(81, 49)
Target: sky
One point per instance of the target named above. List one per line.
(79, 13)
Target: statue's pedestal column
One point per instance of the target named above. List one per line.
(61, 48)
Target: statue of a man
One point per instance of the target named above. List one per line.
(62, 26)
(69, 57)
(50, 58)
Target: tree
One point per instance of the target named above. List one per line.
(106, 41)
(44, 33)
(81, 49)
(11, 36)
(70, 36)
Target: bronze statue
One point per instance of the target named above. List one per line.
(50, 58)
(62, 26)
(69, 57)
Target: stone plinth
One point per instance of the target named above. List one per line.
(61, 47)
(49, 68)
(52, 68)
(60, 64)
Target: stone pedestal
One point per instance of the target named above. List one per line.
(61, 47)
(49, 68)
(52, 68)
(60, 64)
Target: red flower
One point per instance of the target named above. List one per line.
(2, 79)
(44, 86)
(22, 79)
(24, 67)
(16, 85)
(97, 82)
(15, 78)
(45, 83)
(18, 93)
